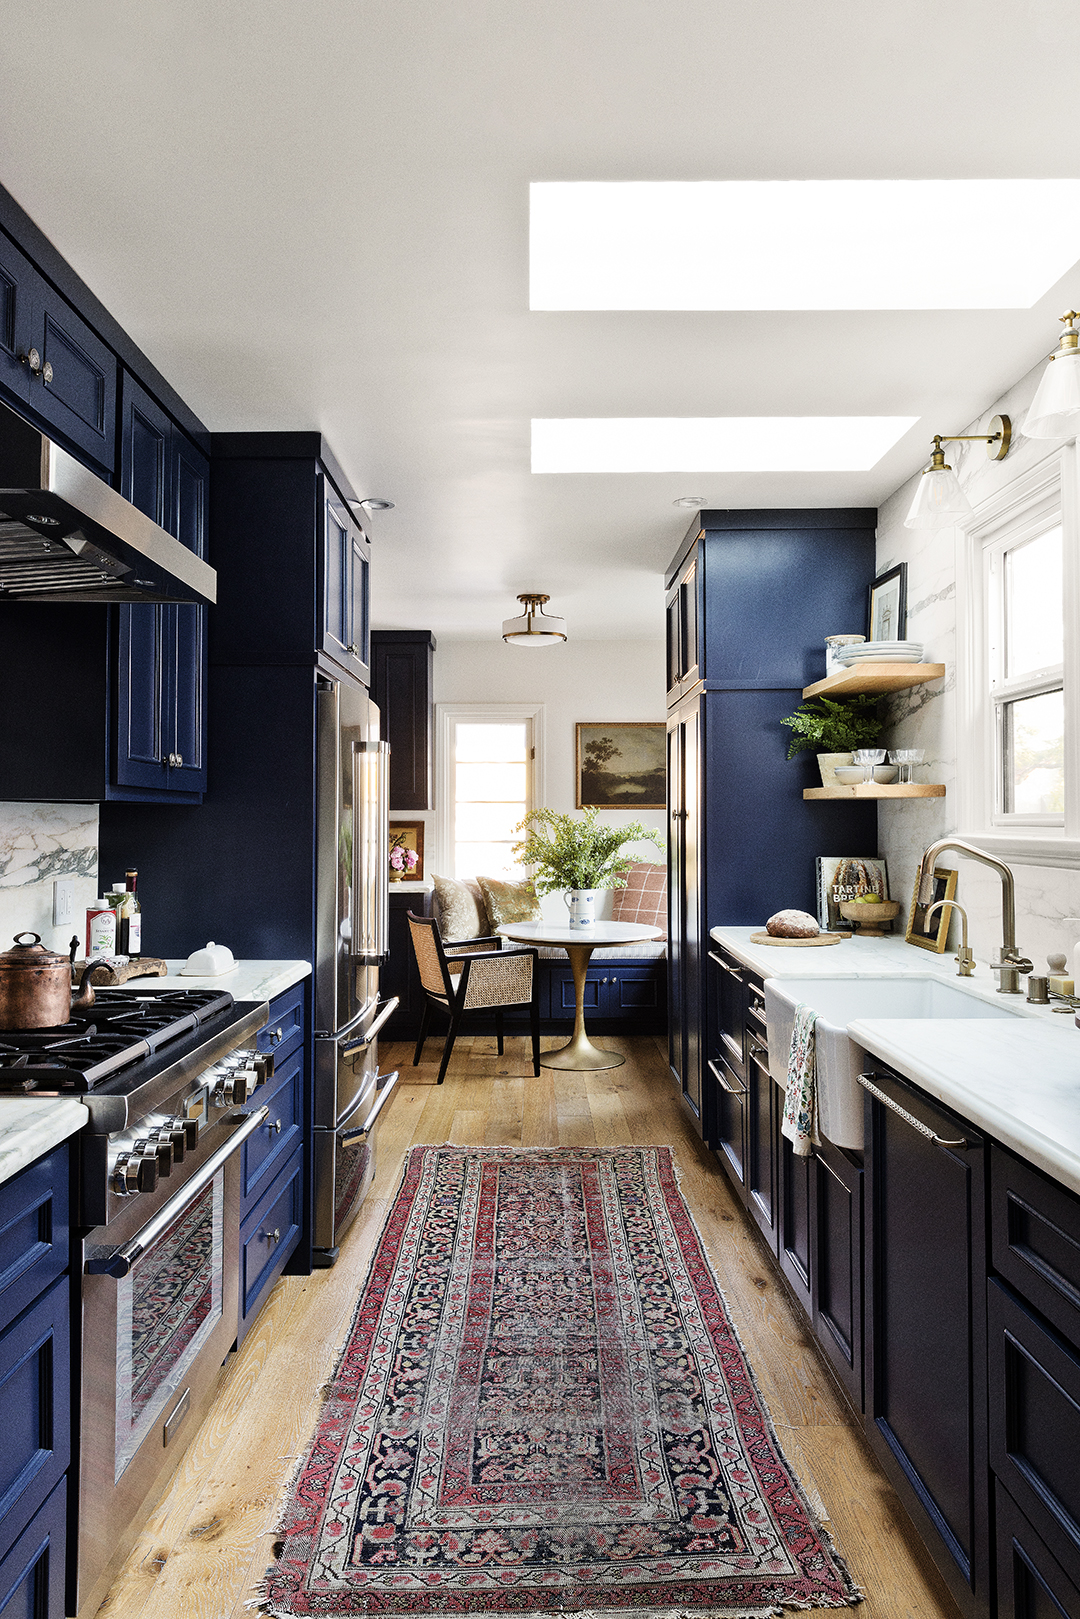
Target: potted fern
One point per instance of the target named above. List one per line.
(833, 730)
(576, 856)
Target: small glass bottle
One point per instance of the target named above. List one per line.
(118, 899)
(134, 916)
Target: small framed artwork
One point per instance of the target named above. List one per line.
(407, 839)
(886, 617)
(621, 766)
(932, 935)
(845, 877)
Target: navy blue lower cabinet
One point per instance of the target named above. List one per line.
(32, 1569)
(34, 1232)
(268, 1235)
(621, 997)
(925, 1327)
(1031, 1584)
(280, 1133)
(35, 1389)
(285, 1026)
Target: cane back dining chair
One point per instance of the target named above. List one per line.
(474, 975)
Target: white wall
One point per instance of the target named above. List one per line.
(926, 717)
(580, 680)
(38, 844)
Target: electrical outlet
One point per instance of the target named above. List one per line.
(63, 903)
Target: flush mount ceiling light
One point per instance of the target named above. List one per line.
(534, 627)
(862, 244)
(696, 501)
(372, 503)
(714, 443)
(1055, 410)
(939, 500)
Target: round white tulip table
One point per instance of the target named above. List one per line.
(579, 944)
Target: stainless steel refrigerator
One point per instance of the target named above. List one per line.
(351, 918)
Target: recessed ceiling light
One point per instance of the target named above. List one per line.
(372, 503)
(714, 443)
(689, 500)
(800, 244)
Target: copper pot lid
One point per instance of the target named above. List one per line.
(34, 954)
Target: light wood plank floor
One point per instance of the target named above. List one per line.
(208, 1542)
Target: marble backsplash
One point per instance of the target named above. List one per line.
(38, 844)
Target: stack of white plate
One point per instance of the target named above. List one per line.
(881, 652)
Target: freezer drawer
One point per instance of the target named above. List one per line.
(344, 1167)
(346, 1065)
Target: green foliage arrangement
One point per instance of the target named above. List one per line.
(824, 726)
(572, 851)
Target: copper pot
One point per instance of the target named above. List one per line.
(35, 986)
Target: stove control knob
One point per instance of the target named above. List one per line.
(182, 1133)
(233, 1090)
(191, 1131)
(160, 1144)
(134, 1172)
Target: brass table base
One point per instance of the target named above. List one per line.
(579, 1052)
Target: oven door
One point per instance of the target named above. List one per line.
(345, 1166)
(158, 1319)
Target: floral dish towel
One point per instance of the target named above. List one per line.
(800, 1102)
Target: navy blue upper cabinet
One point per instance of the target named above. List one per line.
(161, 652)
(282, 507)
(776, 583)
(54, 365)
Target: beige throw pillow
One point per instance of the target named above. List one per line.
(509, 902)
(461, 909)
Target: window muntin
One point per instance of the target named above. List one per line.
(1025, 608)
(490, 794)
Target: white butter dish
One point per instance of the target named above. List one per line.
(209, 962)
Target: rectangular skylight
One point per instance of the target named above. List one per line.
(714, 443)
(800, 244)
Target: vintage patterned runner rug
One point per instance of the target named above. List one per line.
(542, 1408)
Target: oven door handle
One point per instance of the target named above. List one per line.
(350, 1047)
(120, 1260)
(355, 1135)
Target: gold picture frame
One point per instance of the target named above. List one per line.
(934, 937)
(410, 835)
(638, 782)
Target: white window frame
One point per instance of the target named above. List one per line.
(1026, 507)
(447, 715)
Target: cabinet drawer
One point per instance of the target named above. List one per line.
(268, 1236)
(286, 1023)
(1030, 1583)
(35, 1378)
(32, 1570)
(280, 1132)
(1035, 1423)
(1035, 1238)
(33, 1232)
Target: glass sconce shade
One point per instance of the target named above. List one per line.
(939, 500)
(1055, 410)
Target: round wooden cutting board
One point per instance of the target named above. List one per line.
(820, 938)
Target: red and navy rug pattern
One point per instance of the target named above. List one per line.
(543, 1408)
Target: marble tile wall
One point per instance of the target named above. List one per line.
(926, 717)
(38, 843)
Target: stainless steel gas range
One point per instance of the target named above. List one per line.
(165, 1076)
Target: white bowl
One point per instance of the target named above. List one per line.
(884, 774)
(849, 775)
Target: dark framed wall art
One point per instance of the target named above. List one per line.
(621, 766)
(886, 609)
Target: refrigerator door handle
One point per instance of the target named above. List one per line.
(350, 1047)
(371, 845)
(354, 1135)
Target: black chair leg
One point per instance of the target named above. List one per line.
(499, 1031)
(534, 1022)
(422, 1036)
(451, 1036)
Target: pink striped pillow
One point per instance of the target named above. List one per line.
(644, 899)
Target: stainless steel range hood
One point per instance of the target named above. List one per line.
(65, 536)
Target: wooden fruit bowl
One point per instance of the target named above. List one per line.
(870, 919)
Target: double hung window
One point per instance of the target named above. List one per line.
(488, 774)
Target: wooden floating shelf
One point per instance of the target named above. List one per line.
(874, 790)
(869, 678)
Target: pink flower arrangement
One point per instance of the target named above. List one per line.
(403, 862)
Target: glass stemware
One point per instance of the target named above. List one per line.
(905, 758)
(868, 758)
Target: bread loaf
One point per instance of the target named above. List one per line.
(792, 925)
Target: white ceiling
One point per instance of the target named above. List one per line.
(313, 213)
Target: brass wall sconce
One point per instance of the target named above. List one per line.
(1055, 410)
(939, 500)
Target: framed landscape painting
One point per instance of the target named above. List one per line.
(621, 766)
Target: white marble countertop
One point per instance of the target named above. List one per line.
(247, 981)
(31, 1126)
(1016, 1078)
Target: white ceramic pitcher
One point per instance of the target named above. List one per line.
(581, 903)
